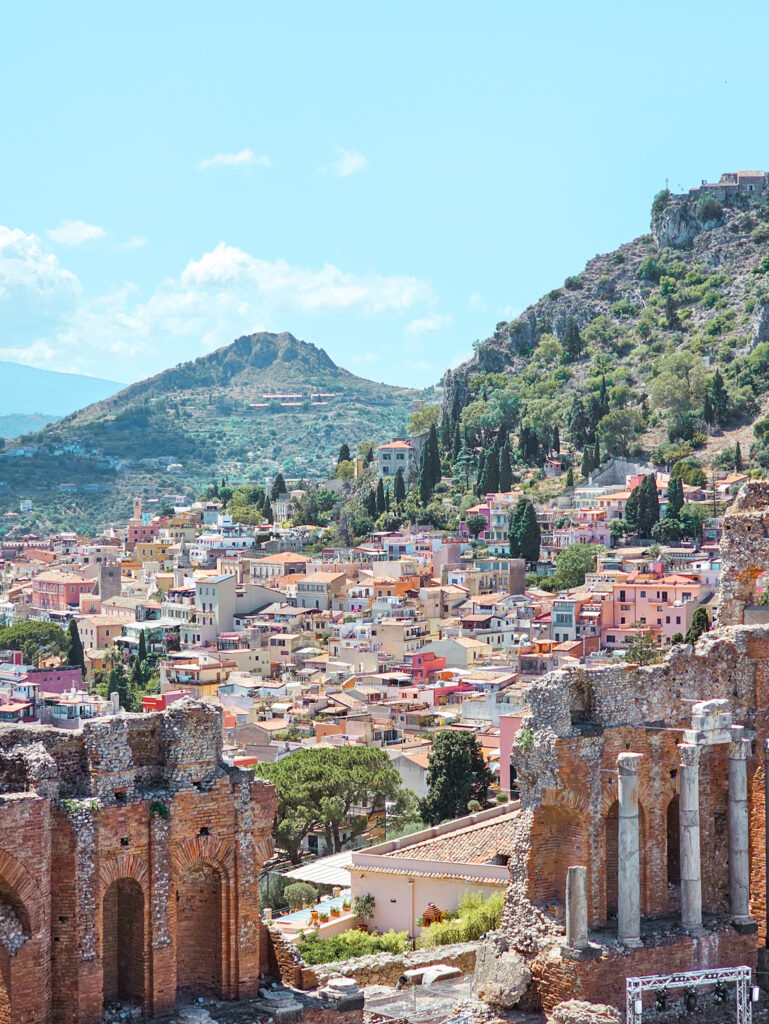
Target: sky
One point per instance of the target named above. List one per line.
(386, 180)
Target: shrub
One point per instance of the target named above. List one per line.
(349, 945)
(298, 893)
(651, 269)
(477, 915)
(572, 283)
(660, 201)
(709, 209)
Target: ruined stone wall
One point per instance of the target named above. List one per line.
(566, 763)
(132, 854)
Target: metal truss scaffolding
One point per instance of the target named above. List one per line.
(738, 976)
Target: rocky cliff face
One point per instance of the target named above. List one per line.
(726, 247)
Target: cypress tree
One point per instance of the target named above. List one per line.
(268, 513)
(720, 399)
(278, 487)
(492, 472)
(425, 477)
(738, 458)
(380, 499)
(142, 651)
(577, 423)
(387, 497)
(587, 462)
(556, 440)
(700, 624)
(707, 410)
(456, 444)
(570, 477)
(603, 398)
(648, 506)
(525, 537)
(572, 340)
(675, 498)
(434, 456)
(480, 478)
(75, 654)
(505, 481)
(631, 509)
(369, 503)
(344, 454)
(597, 454)
(400, 486)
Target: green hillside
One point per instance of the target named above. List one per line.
(206, 419)
(661, 346)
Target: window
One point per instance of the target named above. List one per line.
(667, 620)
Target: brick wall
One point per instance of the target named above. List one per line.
(132, 856)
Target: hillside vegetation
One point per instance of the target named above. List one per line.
(206, 419)
(660, 346)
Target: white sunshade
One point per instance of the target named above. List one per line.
(326, 871)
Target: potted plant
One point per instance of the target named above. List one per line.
(323, 916)
(363, 909)
(335, 910)
(346, 904)
(314, 916)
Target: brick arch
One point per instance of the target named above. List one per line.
(649, 801)
(564, 800)
(23, 887)
(263, 850)
(207, 850)
(126, 866)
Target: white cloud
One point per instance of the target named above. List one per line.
(429, 323)
(245, 158)
(476, 302)
(349, 162)
(137, 242)
(76, 232)
(227, 292)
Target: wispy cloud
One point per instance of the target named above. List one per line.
(427, 324)
(476, 302)
(245, 158)
(349, 162)
(137, 242)
(76, 232)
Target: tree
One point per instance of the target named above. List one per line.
(720, 399)
(643, 649)
(556, 440)
(700, 624)
(648, 505)
(570, 477)
(597, 454)
(457, 773)
(400, 486)
(345, 471)
(476, 524)
(370, 503)
(491, 475)
(278, 487)
(381, 506)
(617, 530)
(572, 340)
(42, 636)
(525, 536)
(675, 497)
(578, 423)
(318, 788)
(464, 462)
(480, 477)
(738, 457)
(631, 509)
(572, 565)
(75, 654)
(426, 416)
(344, 454)
(667, 530)
(118, 683)
(505, 481)
(141, 653)
(425, 481)
(618, 429)
(268, 513)
(587, 462)
(434, 454)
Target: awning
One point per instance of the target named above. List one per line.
(333, 870)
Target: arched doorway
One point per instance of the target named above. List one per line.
(123, 957)
(612, 858)
(15, 930)
(561, 841)
(674, 855)
(199, 895)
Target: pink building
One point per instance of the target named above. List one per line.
(508, 727)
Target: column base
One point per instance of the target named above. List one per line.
(591, 951)
(631, 943)
(744, 925)
(696, 931)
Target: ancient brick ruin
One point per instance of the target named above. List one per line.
(651, 779)
(129, 859)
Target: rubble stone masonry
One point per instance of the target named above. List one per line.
(129, 857)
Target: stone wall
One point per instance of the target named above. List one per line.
(387, 968)
(130, 854)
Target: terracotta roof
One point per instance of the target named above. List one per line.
(397, 444)
(475, 879)
(476, 844)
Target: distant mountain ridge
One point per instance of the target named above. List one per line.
(30, 391)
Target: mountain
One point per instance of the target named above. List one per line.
(28, 391)
(667, 337)
(267, 402)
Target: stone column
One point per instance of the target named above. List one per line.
(739, 841)
(576, 908)
(691, 873)
(629, 850)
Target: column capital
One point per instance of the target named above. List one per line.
(628, 763)
(690, 755)
(739, 750)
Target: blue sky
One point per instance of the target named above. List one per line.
(385, 180)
